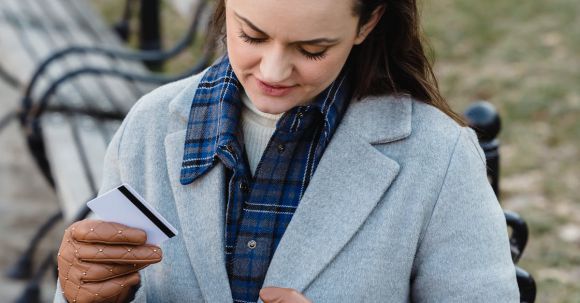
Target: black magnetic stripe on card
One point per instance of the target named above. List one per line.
(146, 211)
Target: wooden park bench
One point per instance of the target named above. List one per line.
(79, 81)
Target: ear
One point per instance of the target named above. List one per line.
(368, 27)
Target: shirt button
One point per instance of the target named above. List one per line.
(252, 244)
(300, 115)
(244, 186)
(229, 148)
(281, 148)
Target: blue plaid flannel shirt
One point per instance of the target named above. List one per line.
(259, 208)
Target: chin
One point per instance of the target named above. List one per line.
(266, 107)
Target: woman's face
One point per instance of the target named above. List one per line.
(285, 52)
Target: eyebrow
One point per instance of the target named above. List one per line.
(312, 41)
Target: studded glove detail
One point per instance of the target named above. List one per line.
(99, 261)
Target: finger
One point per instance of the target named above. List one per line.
(271, 294)
(66, 259)
(72, 254)
(67, 247)
(282, 295)
(118, 254)
(96, 231)
(92, 272)
(114, 290)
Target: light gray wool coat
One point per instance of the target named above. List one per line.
(398, 210)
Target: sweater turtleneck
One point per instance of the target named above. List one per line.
(258, 127)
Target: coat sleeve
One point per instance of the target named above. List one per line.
(111, 179)
(464, 251)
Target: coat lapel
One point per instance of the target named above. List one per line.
(350, 180)
(200, 207)
(334, 206)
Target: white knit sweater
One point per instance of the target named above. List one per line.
(258, 127)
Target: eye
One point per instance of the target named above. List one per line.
(250, 40)
(313, 56)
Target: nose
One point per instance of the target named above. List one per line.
(275, 66)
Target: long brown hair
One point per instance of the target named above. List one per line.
(392, 58)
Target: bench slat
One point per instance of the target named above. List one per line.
(35, 31)
(32, 43)
(116, 90)
(63, 134)
(127, 92)
(88, 15)
(19, 64)
(91, 87)
(66, 164)
(37, 46)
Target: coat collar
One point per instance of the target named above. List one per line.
(380, 120)
(331, 205)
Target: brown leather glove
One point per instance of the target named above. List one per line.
(99, 261)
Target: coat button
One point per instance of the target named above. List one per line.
(244, 186)
(252, 244)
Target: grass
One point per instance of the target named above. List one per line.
(523, 56)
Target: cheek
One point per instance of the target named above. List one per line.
(312, 73)
(241, 55)
(321, 73)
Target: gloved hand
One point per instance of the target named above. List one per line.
(99, 261)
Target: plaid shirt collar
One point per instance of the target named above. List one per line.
(215, 112)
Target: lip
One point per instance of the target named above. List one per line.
(274, 90)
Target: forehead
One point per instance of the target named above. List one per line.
(297, 17)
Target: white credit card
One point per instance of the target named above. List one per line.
(124, 205)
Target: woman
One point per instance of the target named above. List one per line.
(316, 161)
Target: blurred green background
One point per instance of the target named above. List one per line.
(524, 57)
